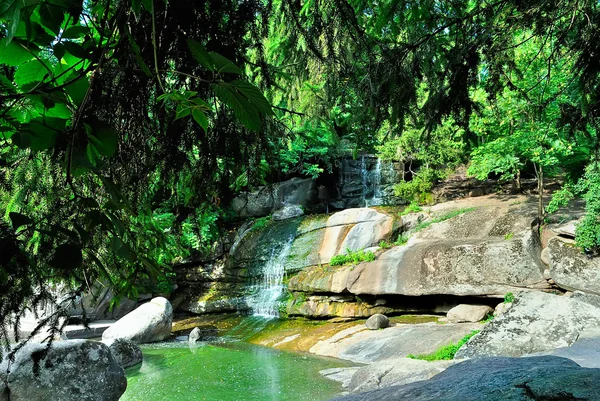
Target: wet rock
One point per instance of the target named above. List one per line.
(125, 352)
(202, 333)
(74, 370)
(498, 379)
(288, 212)
(150, 322)
(468, 313)
(571, 269)
(377, 322)
(269, 199)
(536, 322)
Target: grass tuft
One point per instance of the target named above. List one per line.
(445, 352)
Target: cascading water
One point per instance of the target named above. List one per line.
(364, 173)
(266, 293)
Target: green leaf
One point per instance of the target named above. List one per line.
(245, 112)
(104, 139)
(6, 86)
(121, 249)
(19, 220)
(78, 89)
(200, 54)
(31, 71)
(148, 5)
(15, 53)
(136, 7)
(51, 17)
(254, 95)
(59, 51)
(183, 110)
(224, 65)
(39, 134)
(200, 118)
(75, 32)
(76, 50)
(67, 257)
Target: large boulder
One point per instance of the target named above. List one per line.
(377, 321)
(149, 323)
(571, 269)
(490, 251)
(288, 212)
(354, 229)
(74, 370)
(125, 352)
(268, 199)
(498, 379)
(468, 313)
(535, 322)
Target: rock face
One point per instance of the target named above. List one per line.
(126, 352)
(75, 370)
(488, 251)
(585, 352)
(354, 229)
(571, 269)
(498, 379)
(266, 200)
(359, 344)
(535, 322)
(394, 372)
(468, 313)
(288, 212)
(150, 322)
(377, 321)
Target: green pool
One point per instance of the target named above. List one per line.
(235, 371)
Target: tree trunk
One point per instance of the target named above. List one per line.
(519, 188)
(540, 180)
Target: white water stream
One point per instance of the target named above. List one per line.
(266, 293)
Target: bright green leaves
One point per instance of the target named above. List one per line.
(76, 50)
(77, 90)
(14, 53)
(32, 71)
(75, 32)
(51, 17)
(200, 54)
(188, 104)
(246, 101)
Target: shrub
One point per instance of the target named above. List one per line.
(445, 352)
(413, 207)
(509, 297)
(352, 257)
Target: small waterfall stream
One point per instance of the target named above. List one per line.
(266, 293)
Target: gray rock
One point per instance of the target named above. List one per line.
(585, 352)
(501, 308)
(150, 322)
(359, 344)
(498, 379)
(202, 333)
(3, 390)
(288, 212)
(591, 299)
(545, 256)
(74, 370)
(267, 200)
(125, 352)
(535, 322)
(571, 269)
(341, 375)
(468, 313)
(395, 372)
(377, 321)
(566, 229)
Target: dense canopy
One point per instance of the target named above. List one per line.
(126, 127)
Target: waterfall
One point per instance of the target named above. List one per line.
(377, 193)
(365, 180)
(266, 293)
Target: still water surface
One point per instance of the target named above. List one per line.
(234, 371)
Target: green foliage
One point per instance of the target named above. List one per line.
(261, 223)
(488, 318)
(413, 207)
(509, 236)
(445, 352)
(352, 257)
(509, 297)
